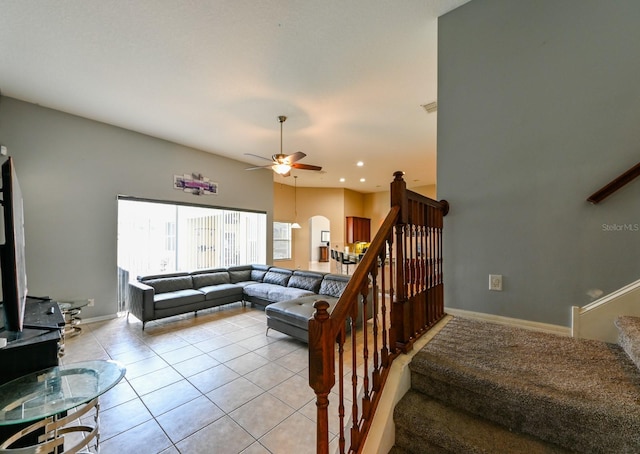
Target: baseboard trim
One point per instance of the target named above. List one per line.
(101, 318)
(520, 323)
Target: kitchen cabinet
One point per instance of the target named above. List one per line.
(358, 229)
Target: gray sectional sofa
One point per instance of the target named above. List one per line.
(287, 295)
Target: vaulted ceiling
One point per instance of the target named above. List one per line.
(351, 76)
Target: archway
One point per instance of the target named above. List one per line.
(319, 238)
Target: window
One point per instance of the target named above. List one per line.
(158, 237)
(281, 241)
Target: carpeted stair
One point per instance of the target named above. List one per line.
(481, 387)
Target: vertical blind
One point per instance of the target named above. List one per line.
(158, 237)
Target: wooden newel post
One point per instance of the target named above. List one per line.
(400, 310)
(322, 375)
(399, 196)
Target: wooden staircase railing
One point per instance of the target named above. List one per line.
(614, 185)
(393, 297)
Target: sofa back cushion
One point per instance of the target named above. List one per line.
(257, 275)
(258, 272)
(240, 273)
(239, 276)
(278, 276)
(207, 279)
(333, 285)
(169, 283)
(306, 280)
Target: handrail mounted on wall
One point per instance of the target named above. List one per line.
(616, 184)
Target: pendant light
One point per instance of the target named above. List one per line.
(295, 224)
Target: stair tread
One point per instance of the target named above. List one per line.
(629, 337)
(578, 393)
(426, 425)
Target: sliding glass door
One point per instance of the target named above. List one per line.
(160, 237)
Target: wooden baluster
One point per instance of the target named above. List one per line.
(438, 229)
(355, 432)
(366, 398)
(385, 339)
(341, 340)
(321, 369)
(375, 312)
(400, 310)
(432, 266)
(392, 293)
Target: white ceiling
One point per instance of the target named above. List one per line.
(211, 74)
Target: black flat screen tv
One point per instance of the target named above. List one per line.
(12, 253)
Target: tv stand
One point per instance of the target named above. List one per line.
(36, 347)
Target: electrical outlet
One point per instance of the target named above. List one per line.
(495, 282)
(91, 302)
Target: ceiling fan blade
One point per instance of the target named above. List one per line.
(305, 166)
(256, 156)
(268, 166)
(298, 155)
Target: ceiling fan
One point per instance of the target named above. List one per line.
(281, 163)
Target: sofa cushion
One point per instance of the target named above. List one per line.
(297, 312)
(246, 283)
(306, 280)
(278, 276)
(239, 275)
(170, 284)
(169, 300)
(333, 285)
(279, 293)
(209, 279)
(222, 291)
(258, 290)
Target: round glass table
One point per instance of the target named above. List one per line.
(44, 398)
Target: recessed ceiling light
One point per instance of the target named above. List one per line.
(360, 164)
(342, 180)
(362, 180)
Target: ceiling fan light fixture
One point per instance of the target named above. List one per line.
(281, 163)
(281, 169)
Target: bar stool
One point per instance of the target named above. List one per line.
(334, 256)
(345, 261)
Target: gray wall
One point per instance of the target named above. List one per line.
(538, 107)
(71, 171)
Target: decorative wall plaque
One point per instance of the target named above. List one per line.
(195, 183)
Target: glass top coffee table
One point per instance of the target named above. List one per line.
(44, 398)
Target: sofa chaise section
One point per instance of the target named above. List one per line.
(292, 316)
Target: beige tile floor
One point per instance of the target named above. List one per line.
(214, 383)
